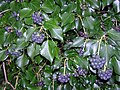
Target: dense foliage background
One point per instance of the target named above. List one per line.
(60, 44)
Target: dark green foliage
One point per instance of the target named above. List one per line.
(60, 44)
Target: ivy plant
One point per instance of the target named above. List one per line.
(59, 44)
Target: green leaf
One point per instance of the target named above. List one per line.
(114, 35)
(21, 43)
(67, 18)
(55, 30)
(34, 5)
(2, 55)
(33, 50)
(1, 36)
(25, 12)
(50, 24)
(89, 22)
(107, 51)
(116, 65)
(48, 6)
(117, 77)
(77, 42)
(29, 33)
(22, 61)
(57, 33)
(69, 27)
(46, 50)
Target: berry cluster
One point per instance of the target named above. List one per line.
(105, 75)
(37, 17)
(8, 29)
(41, 83)
(96, 62)
(80, 72)
(81, 51)
(16, 15)
(37, 37)
(64, 78)
(84, 35)
(18, 33)
(16, 53)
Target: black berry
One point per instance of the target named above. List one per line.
(16, 53)
(64, 78)
(18, 33)
(41, 83)
(37, 37)
(79, 72)
(96, 62)
(37, 17)
(105, 75)
(84, 35)
(16, 15)
(81, 51)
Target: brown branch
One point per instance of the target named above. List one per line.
(5, 76)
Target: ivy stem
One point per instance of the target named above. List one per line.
(42, 67)
(105, 66)
(5, 76)
(53, 85)
(16, 82)
(65, 65)
(4, 11)
(81, 22)
(99, 45)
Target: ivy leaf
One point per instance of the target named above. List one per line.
(2, 55)
(52, 23)
(46, 50)
(67, 18)
(22, 61)
(107, 51)
(57, 33)
(29, 33)
(77, 42)
(48, 6)
(21, 43)
(55, 30)
(116, 65)
(117, 77)
(25, 12)
(89, 22)
(114, 35)
(33, 50)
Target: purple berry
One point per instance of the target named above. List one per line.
(37, 37)
(64, 78)
(37, 17)
(18, 33)
(96, 62)
(105, 75)
(16, 53)
(41, 83)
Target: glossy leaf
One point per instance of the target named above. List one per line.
(67, 18)
(22, 61)
(46, 50)
(25, 12)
